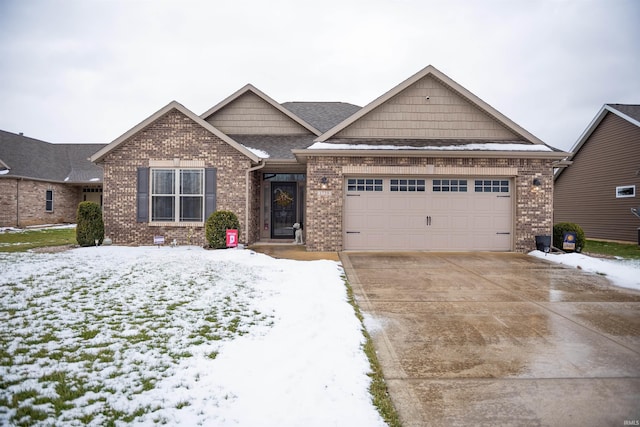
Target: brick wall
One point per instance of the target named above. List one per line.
(533, 209)
(30, 197)
(172, 136)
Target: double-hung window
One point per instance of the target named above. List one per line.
(48, 201)
(177, 195)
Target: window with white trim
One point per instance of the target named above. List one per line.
(177, 195)
(450, 185)
(364, 184)
(625, 191)
(48, 200)
(407, 185)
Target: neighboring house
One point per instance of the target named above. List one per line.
(42, 183)
(599, 188)
(426, 166)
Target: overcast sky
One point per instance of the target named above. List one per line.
(88, 71)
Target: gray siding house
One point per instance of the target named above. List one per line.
(599, 188)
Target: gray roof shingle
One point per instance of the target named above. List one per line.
(322, 115)
(31, 158)
(278, 146)
(630, 110)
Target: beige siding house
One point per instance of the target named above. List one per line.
(426, 166)
(599, 188)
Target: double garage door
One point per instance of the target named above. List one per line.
(424, 213)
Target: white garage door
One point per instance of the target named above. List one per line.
(447, 214)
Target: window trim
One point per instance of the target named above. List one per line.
(177, 196)
(625, 196)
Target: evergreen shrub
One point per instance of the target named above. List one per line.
(216, 228)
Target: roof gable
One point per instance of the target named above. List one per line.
(173, 105)
(429, 105)
(250, 111)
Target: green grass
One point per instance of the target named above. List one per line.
(627, 251)
(30, 239)
(378, 388)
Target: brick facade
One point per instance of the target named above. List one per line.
(172, 137)
(22, 202)
(532, 211)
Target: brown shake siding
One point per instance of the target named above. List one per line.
(532, 209)
(586, 190)
(22, 202)
(173, 136)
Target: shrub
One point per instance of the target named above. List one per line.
(564, 227)
(89, 224)
(216, 228)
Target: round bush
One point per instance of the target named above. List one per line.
(565, 227)
(89, 224)
(216, 228)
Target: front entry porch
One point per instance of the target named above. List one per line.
(282, 205)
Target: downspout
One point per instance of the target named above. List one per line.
(18, 202)
(247, 195)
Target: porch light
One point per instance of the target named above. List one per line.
(323, 183)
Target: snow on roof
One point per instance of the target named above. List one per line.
(258, 152)
(489, 146)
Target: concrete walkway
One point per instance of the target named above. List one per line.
(494, 339)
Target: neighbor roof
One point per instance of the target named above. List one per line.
(631, 111)
(31, 158)
(628, 112)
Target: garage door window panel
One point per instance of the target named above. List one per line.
(449, 186)
(413, 185)
(491, 186)
(364, 184)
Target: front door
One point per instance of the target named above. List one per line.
(283, 209)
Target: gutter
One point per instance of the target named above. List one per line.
(247, 195)
(302, 155)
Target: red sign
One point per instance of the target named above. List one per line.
(232, 238)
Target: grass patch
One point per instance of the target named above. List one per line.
(378, 388)
(624, 250)
(30, 239)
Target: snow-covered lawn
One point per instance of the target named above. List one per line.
(621, 272)
(186, 336)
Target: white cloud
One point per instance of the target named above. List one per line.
(76, 71)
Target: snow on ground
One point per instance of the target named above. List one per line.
(623, 273)
(179, 336)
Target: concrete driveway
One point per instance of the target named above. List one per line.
(492, 339)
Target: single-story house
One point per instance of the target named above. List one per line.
(600, 187)
(426, 166)
(42, 183)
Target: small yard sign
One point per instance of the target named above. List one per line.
(158, 240)
(232, 238)
(569, 242)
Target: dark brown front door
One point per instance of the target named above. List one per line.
(283, 209)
